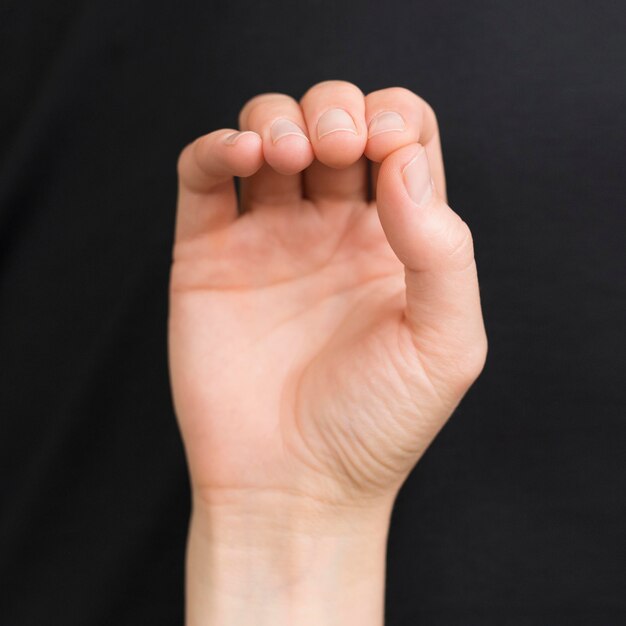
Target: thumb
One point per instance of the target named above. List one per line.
(435, 245)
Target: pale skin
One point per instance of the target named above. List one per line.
(322, 330)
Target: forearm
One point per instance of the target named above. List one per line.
(273, 559)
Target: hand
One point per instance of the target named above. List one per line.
(319, 340)
(312, 350)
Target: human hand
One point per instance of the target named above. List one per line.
(300, 359)
(319, 340)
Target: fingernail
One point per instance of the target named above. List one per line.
(335, 120)
(231, 139)
(283, 127)
(384, 122)
(417, 180)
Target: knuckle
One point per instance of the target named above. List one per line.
(449, 240)
(329, 85)
(257, 103)
(403, 93)
(406, 94)
(429, 111)
(459, 370)
(472, 362)
(460, 243)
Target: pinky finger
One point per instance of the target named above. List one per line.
(206, 191)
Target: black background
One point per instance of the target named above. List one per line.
(517, 513)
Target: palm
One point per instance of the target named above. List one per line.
(303, 308)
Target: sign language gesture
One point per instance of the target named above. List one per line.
(320, 339)
(323, 328)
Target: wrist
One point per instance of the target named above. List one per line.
(257, 557)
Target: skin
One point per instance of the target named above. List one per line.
(320, 334)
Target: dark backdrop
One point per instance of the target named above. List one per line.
(516, 515)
